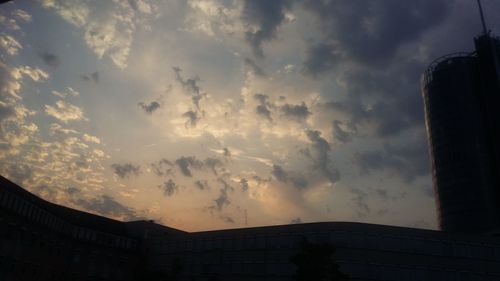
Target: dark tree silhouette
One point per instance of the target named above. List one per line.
(315, 263)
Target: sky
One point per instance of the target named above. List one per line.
(217, 114)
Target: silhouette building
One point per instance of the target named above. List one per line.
(43, 241)
(461, 95)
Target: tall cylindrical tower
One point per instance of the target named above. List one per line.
(463, 127)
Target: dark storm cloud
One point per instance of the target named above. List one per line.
(252, 66)
(320, 58)
(107, 206)
(371, 31)
(162, 167)
(192, 118)
(396, 104)
(149, 108)
(244, 184)
(169, 188)
(263, 18)
(227, 152)
(213, 164)
(372, 35)
(406, 162)
(223, 199)
(92, 77)
(188, 163)
(319, 156)
(190, 85)
(298, 112)
(185, 164)
(202, 184)
(263, 108)
(223, 179)
(125, 170)
(279, 173)
(299, 182)
(261, 98)
(50, 59)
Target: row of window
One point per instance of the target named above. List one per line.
(41, 216)
(361, 240)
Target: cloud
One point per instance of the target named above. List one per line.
(15, 129)
(367, 44)
(19, 174)
(126, 170)
(263, 108)
(343, 131)
(92, 77)
(186, 163)
(10, 45)
(170, 187)
(58, 130)
(244, 184)
(319, 155)
(227, 219)
(223, 199)
(190, 85)
(65, 111)
(162, 167)
(297, 112)
(151, 107)
(192, 118)
(50, 59)
(70, 91)
(252, 66)
(108, 28)
(408, 161)
(279, 173)
(36, 74)
(73, 11)
(360, 200)
(262, 19)
(226, 152)
(21, 14)
(202, 184)
(320, 58)
(371, 31)
(213, 164)
(107, 206)
(90, 138)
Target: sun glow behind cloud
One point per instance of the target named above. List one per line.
(216, 114)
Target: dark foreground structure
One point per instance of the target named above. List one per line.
(461, 94)
(44, 241)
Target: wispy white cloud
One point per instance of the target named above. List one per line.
(65, 111)
(10, 45)
(108, 28)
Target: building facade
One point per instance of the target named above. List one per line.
(44, 241)
(461, 93)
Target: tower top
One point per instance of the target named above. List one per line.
(483, 22)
